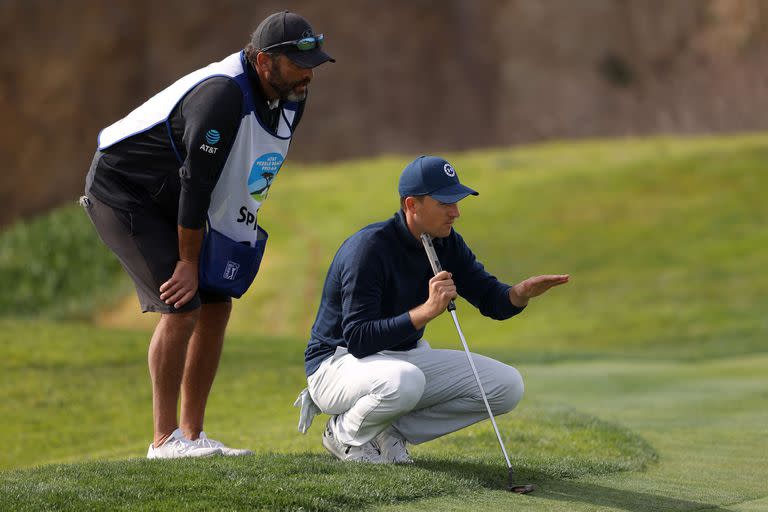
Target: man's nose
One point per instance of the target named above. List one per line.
(307, 74)
(453, 211)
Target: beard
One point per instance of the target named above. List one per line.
(297, 96)
(287, 90)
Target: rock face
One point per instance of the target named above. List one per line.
(412, 76)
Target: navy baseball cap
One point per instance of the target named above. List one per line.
(434, 177)
(281, 32)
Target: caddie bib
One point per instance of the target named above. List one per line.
(249, 171)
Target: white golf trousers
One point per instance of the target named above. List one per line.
(424, 393)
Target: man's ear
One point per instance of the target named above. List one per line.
(410, 204)
(263, 61)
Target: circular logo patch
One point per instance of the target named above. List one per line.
(212, 137)
(449, 170)
(263, 172)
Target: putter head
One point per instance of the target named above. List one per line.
(517, 488)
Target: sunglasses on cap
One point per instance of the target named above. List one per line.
(303, 44)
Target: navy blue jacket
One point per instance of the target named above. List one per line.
(377, 276)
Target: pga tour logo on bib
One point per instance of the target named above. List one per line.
(263, 172)
(231, 270)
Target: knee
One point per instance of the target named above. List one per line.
(180, 322)
(411, 386)
(405, 387)
(216, 310)
(509, 391)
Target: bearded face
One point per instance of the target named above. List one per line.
(290, 82)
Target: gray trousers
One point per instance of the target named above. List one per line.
(424, 393)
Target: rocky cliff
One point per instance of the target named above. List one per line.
(412, 76)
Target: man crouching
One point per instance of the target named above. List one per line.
(366, 362)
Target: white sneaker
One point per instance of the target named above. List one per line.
(177, 446)
(204, 442)
(391, 444)
(365, 453)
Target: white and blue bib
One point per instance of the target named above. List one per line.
(253, 162)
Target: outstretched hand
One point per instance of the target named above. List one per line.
(535, 286)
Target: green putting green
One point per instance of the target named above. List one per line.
(646, 386)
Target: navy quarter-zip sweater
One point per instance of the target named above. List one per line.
(377, 276)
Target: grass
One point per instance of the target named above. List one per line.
(48, 266)
(604, 433)
(664, 239)
(645, 376)
(50, 391)
(269, 482)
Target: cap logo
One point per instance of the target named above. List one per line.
(449, 170)
(307, 33)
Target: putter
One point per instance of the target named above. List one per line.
(426, 240)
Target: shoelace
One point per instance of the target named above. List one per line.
(204, 442)
(180, 445)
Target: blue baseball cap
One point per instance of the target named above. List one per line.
(434, 177)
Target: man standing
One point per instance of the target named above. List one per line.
(182, 165)
(367, 364)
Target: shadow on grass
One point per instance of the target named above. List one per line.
(494, 477)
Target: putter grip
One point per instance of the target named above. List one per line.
(426, 241)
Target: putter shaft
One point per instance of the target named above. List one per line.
(482, 391)
(426, 240)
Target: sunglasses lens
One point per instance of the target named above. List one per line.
(306, 44)
(309, 43)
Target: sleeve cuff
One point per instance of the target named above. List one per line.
(508, 309)
(403, 325)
